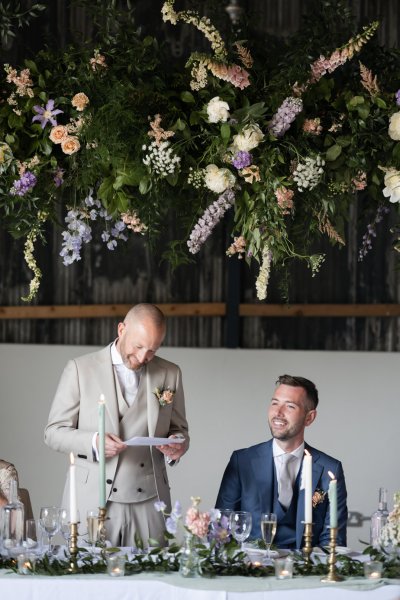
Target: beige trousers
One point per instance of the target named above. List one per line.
(124, 521)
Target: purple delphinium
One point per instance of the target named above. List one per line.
(58, 177)
(285, 115)
(242, 159)
(24, 184)
(371, 231)
(46, 114)
(211, 217)
(398, 97)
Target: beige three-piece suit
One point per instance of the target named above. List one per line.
(138, 475)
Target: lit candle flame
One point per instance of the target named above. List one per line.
(331, 475)
(72, 458)
(102, 399)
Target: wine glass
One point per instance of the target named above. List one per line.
(65, 524)
(240, 523)
(268, 530)
(93, 527)
(50, 522)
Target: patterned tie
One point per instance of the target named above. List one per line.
(286, 486)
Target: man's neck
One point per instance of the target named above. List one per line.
(290, 445)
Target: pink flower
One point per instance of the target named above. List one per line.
(284, 197)
(197, 522)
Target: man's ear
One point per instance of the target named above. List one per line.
(310, 417)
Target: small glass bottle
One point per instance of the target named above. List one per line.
(13, 521)
(189, 564)
(379, 518)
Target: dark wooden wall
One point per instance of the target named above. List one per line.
(134, 274)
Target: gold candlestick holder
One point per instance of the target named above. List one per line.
(332, 575)
(73, 548)
(102, 527)
(307, 548)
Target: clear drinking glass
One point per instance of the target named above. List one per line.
(93, 527)
(240, 522)
(268, 530)
(31, 534)
(65, 524)
(50, 522)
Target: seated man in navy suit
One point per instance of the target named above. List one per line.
(257, 478)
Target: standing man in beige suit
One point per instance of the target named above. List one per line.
(132, 379)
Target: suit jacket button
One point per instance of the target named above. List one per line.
(109, 480)
(139, 490)
(115, 490)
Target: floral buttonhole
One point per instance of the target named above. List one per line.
(164, 396)
(318, 497)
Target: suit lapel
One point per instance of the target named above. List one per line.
(263, 471)
(105, 381)
(154, 377)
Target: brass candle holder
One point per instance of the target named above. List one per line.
(73, 548)
(307, 548)
(332, 575)
(102, 534)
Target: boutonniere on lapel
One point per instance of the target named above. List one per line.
(318, 497)
(164, 396)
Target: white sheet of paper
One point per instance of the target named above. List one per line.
(153, 441)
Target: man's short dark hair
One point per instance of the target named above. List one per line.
(306, 384)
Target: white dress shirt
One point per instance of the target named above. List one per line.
(293, 466)
(128, 378)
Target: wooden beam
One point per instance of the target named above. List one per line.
(320, 310)
(98, 311)
(201, 309)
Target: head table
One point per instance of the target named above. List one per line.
(172, 586)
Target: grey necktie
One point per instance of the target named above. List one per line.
(286, 486)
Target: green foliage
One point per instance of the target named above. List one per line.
(141, 104)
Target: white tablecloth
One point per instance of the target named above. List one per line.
(171, 586)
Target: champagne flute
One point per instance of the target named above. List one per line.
(50, 522)
(268, 530)
(93, 527)
(240, 522)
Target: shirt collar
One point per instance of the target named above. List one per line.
(277, 450)
(116, 358)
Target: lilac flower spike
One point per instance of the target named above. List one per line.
(242, 159)
(210, 218)
(46, 114)
(398, 97)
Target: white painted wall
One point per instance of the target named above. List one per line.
(227, 392)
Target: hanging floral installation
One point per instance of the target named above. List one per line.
(116, 139)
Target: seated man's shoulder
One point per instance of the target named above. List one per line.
(255, 450)
(329, 462)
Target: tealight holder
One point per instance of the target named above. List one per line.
(116, 565)
(373, 570)
(332, 576)
(26, 563)
(284, 568)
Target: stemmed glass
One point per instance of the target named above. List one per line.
(93, 527)
(65, 524)
(268, 530)
(240, 522)
(50, 522)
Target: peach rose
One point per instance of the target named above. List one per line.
(70, 145)
(79, 101)
(58, 134)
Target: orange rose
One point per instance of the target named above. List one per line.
(58, 134)
(70, 145)
(79, 101)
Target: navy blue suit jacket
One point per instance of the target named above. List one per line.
(248, 484)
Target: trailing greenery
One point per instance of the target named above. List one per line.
(283, 132)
